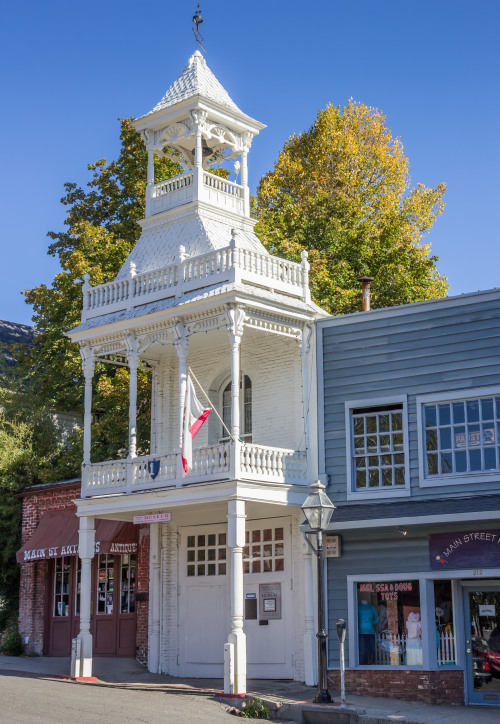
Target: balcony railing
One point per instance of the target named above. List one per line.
(182, 189)
(225, 461)
(229, 264)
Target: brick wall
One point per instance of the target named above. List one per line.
(33, 594)
(273, 364)
(35, 574)
(430, 687)
(142, 587)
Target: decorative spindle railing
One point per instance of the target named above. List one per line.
(225, 461)
(228, 264)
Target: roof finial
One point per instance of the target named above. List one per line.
(197, 20)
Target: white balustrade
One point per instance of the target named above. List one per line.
(223, 185)
(259, 462)
(109, 477)
(172, 184)
(211, 463)
(195, 272)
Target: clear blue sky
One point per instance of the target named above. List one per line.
(71, 68)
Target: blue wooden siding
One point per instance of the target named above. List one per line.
(455, 345)
(378, 556)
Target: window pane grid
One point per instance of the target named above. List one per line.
(378, 453)
(206, 555)
(105, 583)
(264, 551)
(462, 436)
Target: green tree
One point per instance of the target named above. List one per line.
(341, 190)
(102, 227)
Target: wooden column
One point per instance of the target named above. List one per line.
(236, 541)
(86, 550)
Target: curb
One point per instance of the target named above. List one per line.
(63, 677)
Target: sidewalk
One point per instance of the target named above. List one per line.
(289, 694)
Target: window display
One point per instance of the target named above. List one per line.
(389, 623)
(105, 584)
(445, 637)
(127, 583)
(61, 586)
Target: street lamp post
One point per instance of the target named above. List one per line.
(318, 509)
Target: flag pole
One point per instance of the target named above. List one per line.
(210, 403)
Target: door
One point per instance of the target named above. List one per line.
(64, 621)
(113, 624)
(268, 599)
(482, 628)
(204, 619)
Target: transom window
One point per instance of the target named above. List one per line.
(378, 447)
(462, 436)
(245, 409)
(206, 554)
(264, 551)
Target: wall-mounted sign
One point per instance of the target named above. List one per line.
(332, 546)
(250, 595)
(153, 518)
(473, 549)
(269, 601)
(487, 610)
(153, 468)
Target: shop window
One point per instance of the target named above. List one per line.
(61, 586)
(445, 633)
(245, 409)
(461, 436)
(264, 551)
(105, 583)
(206, 554)
(378, 455)
(127, 583)
(389, 624)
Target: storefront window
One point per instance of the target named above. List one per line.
(105, 583)
(127, 584)
(445, 634)
(389, 624)
(61, 586)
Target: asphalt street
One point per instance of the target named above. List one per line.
(31, 700)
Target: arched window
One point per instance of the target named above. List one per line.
(245, 409)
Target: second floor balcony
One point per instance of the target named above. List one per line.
(224, 461)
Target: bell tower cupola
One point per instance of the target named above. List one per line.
(200, 125)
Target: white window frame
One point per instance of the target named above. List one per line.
(456, 478)
(245, 436)
(382, 492)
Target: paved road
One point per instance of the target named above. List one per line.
(30, 700)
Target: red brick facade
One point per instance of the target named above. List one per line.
(430, 687)
(33, 592)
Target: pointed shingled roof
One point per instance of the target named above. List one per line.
(196, 80)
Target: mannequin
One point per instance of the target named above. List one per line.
(367, 627)
(414, 640)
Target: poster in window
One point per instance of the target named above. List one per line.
(269, 601)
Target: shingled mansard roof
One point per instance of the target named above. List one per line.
(196, 80)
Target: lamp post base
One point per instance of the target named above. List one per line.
(322, 697)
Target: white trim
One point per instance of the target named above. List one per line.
(320, 392)
(481, 515)
(430, 305)
(373, 493)
(457, 478)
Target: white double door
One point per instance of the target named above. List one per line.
(204, 618)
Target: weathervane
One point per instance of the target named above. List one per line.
(197, 20)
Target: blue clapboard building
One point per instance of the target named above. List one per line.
(409, 430)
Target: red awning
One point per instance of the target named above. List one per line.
(57, 535)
